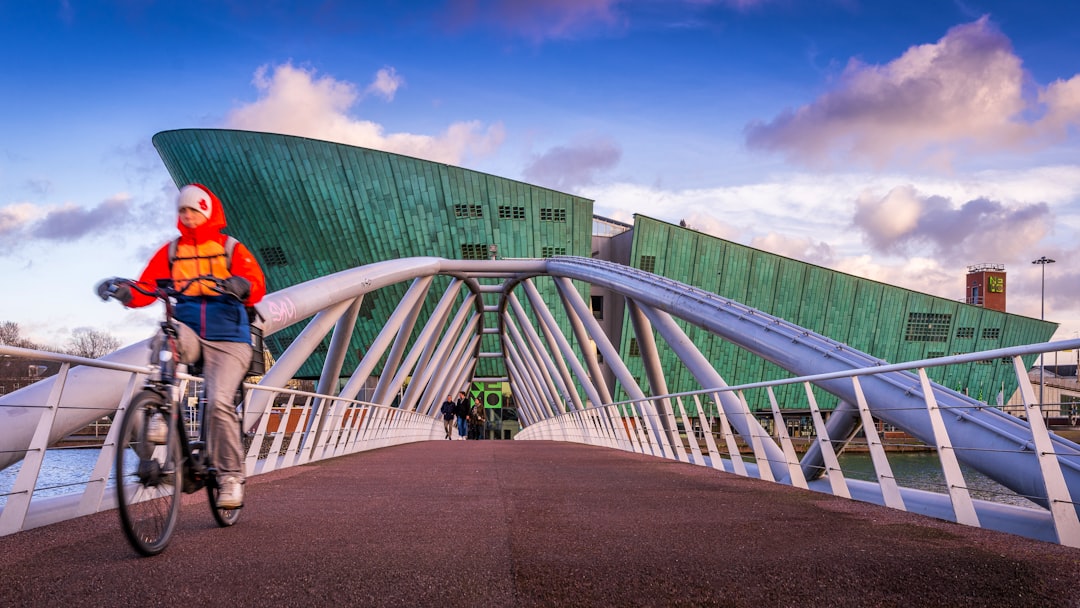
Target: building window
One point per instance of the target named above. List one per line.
(474, 251)
(648, 263)
(598, 307)
(273, 256)
(634, 350)
(1070, 405)
(991, 333)
(934, 354)
(547, 252)
(928, 327)
(547, 214)
(507, 212)
(467, 211)
(965, 332)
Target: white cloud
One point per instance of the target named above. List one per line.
(386, 83)
(295, 101)
(965, 94)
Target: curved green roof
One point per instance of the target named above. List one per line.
(308, 208)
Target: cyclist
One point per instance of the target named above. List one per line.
(213, 326)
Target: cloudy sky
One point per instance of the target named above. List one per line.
(896, 140)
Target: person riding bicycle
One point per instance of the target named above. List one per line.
(214, 327)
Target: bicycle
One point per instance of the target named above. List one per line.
(153, 471)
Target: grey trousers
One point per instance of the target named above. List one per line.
(224, 366)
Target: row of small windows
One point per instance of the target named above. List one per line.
(474, 251)
(509, 212)
(1002, 361)
(481, 251)
(468, 211)
(988, 333)
(928, 327)
(548, 214)
(934, 327)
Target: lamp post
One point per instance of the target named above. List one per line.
(1043, 261)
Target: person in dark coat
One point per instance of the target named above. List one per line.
(461, 410)
(447, 412)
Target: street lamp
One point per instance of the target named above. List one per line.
(1043, 261)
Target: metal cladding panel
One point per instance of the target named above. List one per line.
(764, 286)
(866, 306)
(789, 296)
(308, 208)
(867, 315)
(892, 318)
(840, 310)
(818, 282)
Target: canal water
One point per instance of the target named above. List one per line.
(66, 470)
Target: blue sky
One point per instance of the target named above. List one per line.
(899, 141)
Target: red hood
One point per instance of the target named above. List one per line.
(213, 226)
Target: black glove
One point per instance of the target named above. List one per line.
(237, 286)
(109, 288)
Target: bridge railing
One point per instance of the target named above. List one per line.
(52, 484)
(698, 431)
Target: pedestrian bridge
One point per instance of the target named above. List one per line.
(560, 399)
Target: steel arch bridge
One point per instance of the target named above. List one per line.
(560, 394)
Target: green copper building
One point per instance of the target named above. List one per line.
(309, 208)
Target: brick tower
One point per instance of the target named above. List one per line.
(985, 286)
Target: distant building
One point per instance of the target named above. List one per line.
(308, 208)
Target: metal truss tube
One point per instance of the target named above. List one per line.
(577, 318)
(654, 371)
(426, 342)
(412, 304)
(597, 393)
(293, 358)
(552, 379)
(535, 368)
(741, 418)
(339, 346)
(566, 381)
(382, 341)
(417, 395)
(581, 317)
(523, 388)
(450, 382)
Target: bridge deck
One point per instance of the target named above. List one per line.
(501, 523)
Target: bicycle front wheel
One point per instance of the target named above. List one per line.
(149, 477)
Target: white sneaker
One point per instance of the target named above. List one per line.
(157, 429)
(231, 493)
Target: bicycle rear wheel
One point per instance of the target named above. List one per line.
(149, 477)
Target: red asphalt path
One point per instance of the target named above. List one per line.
(516, 523)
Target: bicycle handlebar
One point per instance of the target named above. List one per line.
(166, 288)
